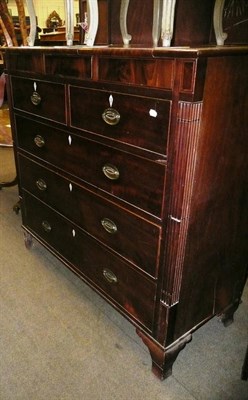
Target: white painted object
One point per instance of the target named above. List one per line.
(69, 22)
(123, 22)
(168, 16)
(33, 23)
(156, 25)
(163, 21)
(93, 18)
(218, 22)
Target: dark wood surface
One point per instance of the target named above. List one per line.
(58, 194)
(89, 259)
(179, 200)
(85, 159)
(151, 135)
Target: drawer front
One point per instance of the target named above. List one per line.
(121, 284)
(153, 72)
(22, 61)
(44, 99)
(138, 121)
(134, 238)
(68, 65)
(134, 179)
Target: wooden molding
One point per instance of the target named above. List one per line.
(187, 134)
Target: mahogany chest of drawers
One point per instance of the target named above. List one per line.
(132, 167)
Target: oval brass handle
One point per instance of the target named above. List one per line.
(46, 226)
(39, 141)
(111, 116)
(109, 225)
(41, 185)
(35, 98)
(109, 276)
(111, 172)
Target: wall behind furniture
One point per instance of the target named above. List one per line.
(44, 8)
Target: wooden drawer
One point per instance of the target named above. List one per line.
(134, 238)
(134, 179)
(21, 61)
(44, 99)
(114, 278)
(153, 72)
(69, 65)
(139, 121)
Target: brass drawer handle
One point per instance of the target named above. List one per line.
(41, 185)
(39, 141)
(111, 116)
(111, 172)
(109, 276)
(109, 225)
(35, 98)
(46, 226)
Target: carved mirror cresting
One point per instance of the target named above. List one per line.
(53, 21)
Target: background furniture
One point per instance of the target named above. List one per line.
(57, 38)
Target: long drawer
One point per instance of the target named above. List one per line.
(133, 237)
(120, 283)
(41, 98)
(136, 120)
(134, 179)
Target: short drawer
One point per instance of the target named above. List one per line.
(114, 278)
(20, 60)
(131, 178)
(133, 237)
(68, 65)
(44, 99)
(135, 120)
(150, 72)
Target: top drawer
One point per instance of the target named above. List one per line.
(20, 60)
(136, 120)
(44, 99)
